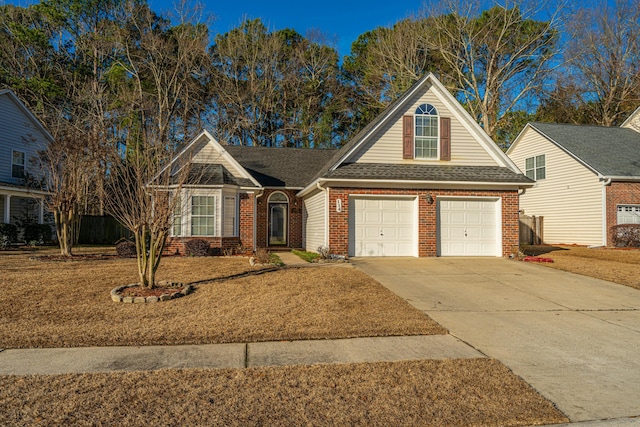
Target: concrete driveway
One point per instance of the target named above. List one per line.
(573, 338)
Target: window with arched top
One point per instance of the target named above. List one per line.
(278, 219)
(278, 197)
(426, 132)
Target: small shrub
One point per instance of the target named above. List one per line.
(37, 234)
(126, 248)
(197, 247)
(8, 235)
(275, 260)
(626, 235)
(263, 256)
(241, 250)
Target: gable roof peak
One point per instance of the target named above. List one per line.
(402, 102)
(633, 121)
(21, 105)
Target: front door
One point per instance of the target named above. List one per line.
(278, 223)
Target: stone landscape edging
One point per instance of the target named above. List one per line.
(117, 297)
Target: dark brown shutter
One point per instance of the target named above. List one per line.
(445, 138)
(407, 137)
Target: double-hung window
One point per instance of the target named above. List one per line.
(18, 161)
(535, 167)
(426, 132)
(203, 216)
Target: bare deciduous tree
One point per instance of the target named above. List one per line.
(157, 69)
(604, 57)
(499, 57)
(68, 174)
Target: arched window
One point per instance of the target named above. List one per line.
(278, 197)
(278, 219)
(426, 132)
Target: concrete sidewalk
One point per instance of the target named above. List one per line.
(50, 361)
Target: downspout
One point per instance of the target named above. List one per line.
(255, 216)
(605, 184)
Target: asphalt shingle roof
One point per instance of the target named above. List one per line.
(413, 172)
(214, 174)
(611, 151)
(281, 167)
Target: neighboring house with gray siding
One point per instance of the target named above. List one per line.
(422, 179)
(587, 178)
(22, 136)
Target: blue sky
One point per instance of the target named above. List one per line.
(342, 20)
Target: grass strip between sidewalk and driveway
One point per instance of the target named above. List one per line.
(469, 392)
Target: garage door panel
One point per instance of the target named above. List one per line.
(382, 227)
(467, 227)
(389, 233)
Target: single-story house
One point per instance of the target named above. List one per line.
(587, 178)
(22, 137)
(422, 179)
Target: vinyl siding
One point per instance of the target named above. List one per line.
(315, 221)
(385, 146)
(207, 153)
(569, 198)
(18, 132)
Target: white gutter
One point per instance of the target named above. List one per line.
(608, 179)
(21, 191)
(378, 183)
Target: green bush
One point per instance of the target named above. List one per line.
(8, 235)
(37, 233)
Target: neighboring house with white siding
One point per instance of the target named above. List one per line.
(422, 179)
(587, 178)
(22, 137)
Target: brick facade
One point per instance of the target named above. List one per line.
(427, 226)
(294, 232)
(339, 221)
(176, 245)
(619, 193)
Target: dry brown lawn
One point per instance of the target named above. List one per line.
(472, 392)
(67, 304)
(615, 265)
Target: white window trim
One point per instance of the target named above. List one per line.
(220, 195)
(216, 204)
(24, 163)
(415, 134)
(536, 167)
(225, 198)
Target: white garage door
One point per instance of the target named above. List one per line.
(628, 214)
(381, 227)
(467, 227)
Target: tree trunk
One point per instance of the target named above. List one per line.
(64, 224)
